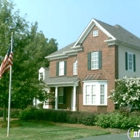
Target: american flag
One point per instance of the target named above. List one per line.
(7, 62)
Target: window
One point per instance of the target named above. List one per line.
(102, 94)
(94, 60)
(41, 76)
(130, 61)
(87, 94)
(61, 68)
(61, 95)
(95, 93)
(95, 33)
(75, 67)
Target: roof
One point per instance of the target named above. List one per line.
(66, 48)
(64, 80)
(121, 34)
(115, 32)
(99, 76)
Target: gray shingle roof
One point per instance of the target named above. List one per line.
(67, 48)
(121, 34)
(117, 31)
(59, 80)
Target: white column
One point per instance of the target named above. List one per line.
(56, 98)
(74, 99)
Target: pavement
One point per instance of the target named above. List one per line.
(110, 137)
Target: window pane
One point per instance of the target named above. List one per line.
(130, 61)
(87, 99)
(95, 33)
(41, 76)
(75, 67)
(93, 96)
(94, 60)
(61, 68)
(87, 94)
(102, 94)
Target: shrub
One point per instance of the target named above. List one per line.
(89, 119)
(27, 114)
(82, 118)
(116, 120)
(15, 113)
(103, 120)
(73, 118)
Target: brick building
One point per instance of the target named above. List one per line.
(82, 74)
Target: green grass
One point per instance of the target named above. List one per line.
(46, 131)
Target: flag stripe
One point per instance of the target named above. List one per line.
(7, 62)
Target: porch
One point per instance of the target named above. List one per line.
(64, 89)
(65, 97)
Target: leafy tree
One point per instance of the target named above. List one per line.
(127, 92)
(30, 48)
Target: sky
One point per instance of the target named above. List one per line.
(65, 20)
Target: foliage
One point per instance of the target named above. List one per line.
(112, 120)
(127, 92)
(85, 118)
(30, 48)
(116, 120)
(14, 113)
(58, 116)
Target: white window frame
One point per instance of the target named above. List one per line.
(75, 67)
(61, 68)
(130, 62)
(95, 33)
(94, 96)
(94, 60)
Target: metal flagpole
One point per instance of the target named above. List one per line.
(10, 85)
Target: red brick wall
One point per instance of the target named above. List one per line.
(91, 44)
(69, 60)
(109, 53)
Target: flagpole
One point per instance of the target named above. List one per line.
(10, 85)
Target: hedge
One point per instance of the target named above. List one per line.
(112, 120)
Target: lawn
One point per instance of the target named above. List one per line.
(47, 131)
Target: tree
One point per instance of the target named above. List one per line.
(127, 92)
(30, 48)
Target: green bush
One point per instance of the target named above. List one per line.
(27, 114)
(15, 113)
(112, 120)
(116, 120)
(88, 119)
(82, 118)
(73, 117)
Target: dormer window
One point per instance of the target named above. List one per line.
(95, 33)
(41, 76)
(75, 67)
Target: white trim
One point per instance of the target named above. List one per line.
(92, 23)
(98, 99)
(65, 54)
(64, 84)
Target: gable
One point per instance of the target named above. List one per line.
(116, 35)
(88, 29)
